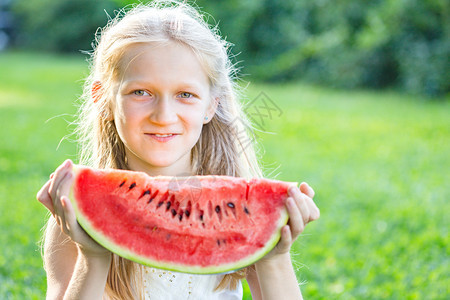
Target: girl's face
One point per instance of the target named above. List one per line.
(160, 108)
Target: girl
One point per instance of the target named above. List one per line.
(160, 99)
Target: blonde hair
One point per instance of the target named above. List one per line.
(224, 147)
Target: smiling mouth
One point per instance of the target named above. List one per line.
(162, 135)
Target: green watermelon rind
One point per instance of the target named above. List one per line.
(223, 268)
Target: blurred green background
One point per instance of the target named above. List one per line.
(362, 91)
(348, 43)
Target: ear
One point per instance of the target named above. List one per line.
(96, 91)
(96, 95)
(211, 111)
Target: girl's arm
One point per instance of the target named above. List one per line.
(71, 274)
(89, 277)
(274, 276)
(76, 266)
(60, 256)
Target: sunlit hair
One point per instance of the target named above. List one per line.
(224, 147)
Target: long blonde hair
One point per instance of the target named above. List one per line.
(225, 146)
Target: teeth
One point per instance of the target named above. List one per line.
(163, 135)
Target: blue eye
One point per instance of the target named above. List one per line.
(140, 93)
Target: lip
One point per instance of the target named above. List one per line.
(162, 138)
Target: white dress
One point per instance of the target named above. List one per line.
(168, 285)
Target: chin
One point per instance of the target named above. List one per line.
(162, 162)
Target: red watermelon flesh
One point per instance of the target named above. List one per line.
(198, 224)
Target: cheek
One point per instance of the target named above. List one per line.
(119, 117)
(192, 121)
(196, 118)
(127, 110)
(124, 118)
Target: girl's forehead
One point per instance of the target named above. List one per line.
(154, 51)
(162, 61)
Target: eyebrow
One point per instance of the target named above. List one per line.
(184, 84)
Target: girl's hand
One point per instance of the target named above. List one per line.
(302, 210)
(55, 196)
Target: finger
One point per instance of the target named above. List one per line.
(58, 220)
(65, 184)
(58, 176)
(62, 191)
(286, 239)
(295, 218)
(307, 190)
(65, 227)
(72, 228)
(314, 212)
(43, 196)
(300, 201)
(70, 218)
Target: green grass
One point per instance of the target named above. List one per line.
(379, 162)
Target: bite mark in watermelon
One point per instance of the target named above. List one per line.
(198, 224)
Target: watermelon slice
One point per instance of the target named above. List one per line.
(198, 224)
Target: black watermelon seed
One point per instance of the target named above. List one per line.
(217, 209)
(150, 201)
(246, 210)
(168, 205)
(173, 211)
(201, 217)
(187, 213)
(230, 204)
(132, 185)
(218, 242)
(180, 216)
(159, 204)
(147, 192)
(123, 182)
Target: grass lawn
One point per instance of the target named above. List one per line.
(379, 162)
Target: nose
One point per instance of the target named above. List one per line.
(164, 112)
